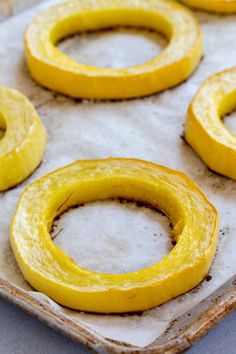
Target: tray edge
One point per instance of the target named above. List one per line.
(223, 305)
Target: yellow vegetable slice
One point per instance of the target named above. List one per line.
(205, 131)
(55, 70)
(23, 144)
(49, 270)
(224, 6)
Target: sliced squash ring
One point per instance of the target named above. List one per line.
(57, 71)
(221, 6)
(23, 144)
(49, 270)
(205, 131)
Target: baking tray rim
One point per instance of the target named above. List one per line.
(222, 306)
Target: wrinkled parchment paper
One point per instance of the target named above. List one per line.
(108, 236)
(11, 7)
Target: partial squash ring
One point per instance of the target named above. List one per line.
(221, 6)
(55, 70)
(23, 144)
(49, 270)
(205, 131)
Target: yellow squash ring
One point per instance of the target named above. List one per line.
(23, 144)
(55, 70)
(49, 270)
(224, 6)
(205, 131)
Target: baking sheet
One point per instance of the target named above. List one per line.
(148, 128)
(11, 7)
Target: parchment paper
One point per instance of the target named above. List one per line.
(123, 237)
(10, 7)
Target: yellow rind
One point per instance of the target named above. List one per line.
(221, 6)
(55, 70)
(205, 131)
(23, 144)
(49, 270)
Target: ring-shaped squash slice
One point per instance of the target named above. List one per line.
(221, 6)
(23, 144)
(57, 71)
(49, 270)
(205, 131)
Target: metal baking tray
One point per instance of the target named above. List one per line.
(180, 336)
(182, 333)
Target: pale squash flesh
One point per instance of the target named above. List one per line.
(23, 144)
(57, 71)
(205, 131)
(221, 6)
(49, 270)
